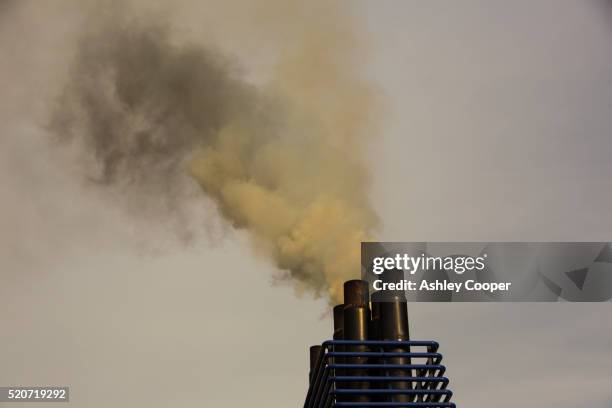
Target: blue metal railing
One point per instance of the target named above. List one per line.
(354, 374)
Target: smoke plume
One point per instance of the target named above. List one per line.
(281, 159)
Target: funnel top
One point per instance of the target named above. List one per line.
(356, 292)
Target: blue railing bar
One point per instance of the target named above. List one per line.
(388, 391)
(381, 354)
(416, 343)
(356, 378)
(424, 367)
(395, 404)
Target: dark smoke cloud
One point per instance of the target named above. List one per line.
(140, 105)
(147, 111)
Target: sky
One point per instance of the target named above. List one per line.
(495, 128)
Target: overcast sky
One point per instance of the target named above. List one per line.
(497, 127)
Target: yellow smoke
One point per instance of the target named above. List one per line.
(282, 159)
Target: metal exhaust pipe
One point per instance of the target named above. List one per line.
(356, 320)
(315, 354)
(339, 322)
(374, 334)
(374, 326)
(338, 335)
(392, 324)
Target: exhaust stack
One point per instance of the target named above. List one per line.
(315, 354)
(356, 321)
(369, 361)
(392, 324)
